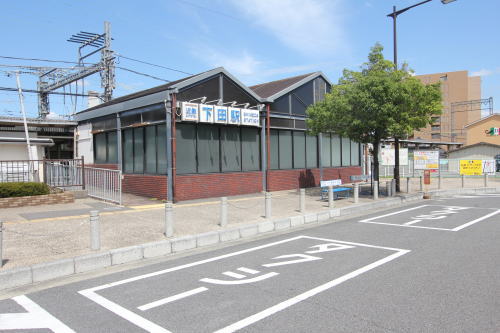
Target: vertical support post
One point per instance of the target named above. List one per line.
(393, 187)
(95, 232)
(439, 181)
(375, 190)
(168, 109)
(421, 184)
(302, 200)
(169, 219)
(408, 179)
(83, 173)
(388, 188)
(485, 179)
(330, 196)
(356, 192)
(320, 155)
(223, 212)
(268, 205)
(463, 181)
(119, 141)
(1, 243)
(263, 149)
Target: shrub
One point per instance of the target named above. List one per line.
(8, 190)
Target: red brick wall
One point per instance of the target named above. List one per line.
(298, 178)
(217, 185)
(154, 186)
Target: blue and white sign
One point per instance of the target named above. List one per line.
(220, 114)
(189, 111)
(234, 116)
(250, 117)
(206, 113)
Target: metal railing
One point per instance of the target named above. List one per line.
(105, 184)
(447, 167)
(64, 173)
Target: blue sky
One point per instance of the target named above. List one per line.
(256, 40)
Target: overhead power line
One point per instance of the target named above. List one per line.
(38, 91)
(151, 64)
(38, 59)
(143, 74)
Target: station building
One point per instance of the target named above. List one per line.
(209, 135)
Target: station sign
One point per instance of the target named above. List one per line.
(332, 182)
(493, 131)
(207, 113)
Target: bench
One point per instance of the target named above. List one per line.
(337, 191)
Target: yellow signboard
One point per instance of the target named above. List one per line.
(471, 167)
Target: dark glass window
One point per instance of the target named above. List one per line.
(230, 148)
(274, 153)
(285, 149)
(186, 148)
(354, 153)
(128, 150)
(100, 148)
(299, 150)
(105, 148)
(312, 151)
(326, 152)
(250, 143)
(208, 149)
(150, 149)
(161, 144)
(336, 150)
(346, 152)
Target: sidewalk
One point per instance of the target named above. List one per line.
(46, 233)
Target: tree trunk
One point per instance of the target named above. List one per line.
(396, 163)
(376, 145)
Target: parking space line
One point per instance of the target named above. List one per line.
(171, 299)
(393, 213)
(475, 221)
(408, 226)
(234, 275)
(310, 293)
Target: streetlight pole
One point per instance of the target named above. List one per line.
(394, 16)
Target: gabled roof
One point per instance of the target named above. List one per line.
(475, 145)
(270, 91)
(156, 95)
(483, 119)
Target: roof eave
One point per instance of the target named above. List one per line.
(297, 84)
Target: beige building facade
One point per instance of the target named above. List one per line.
(481, 130)
(459, 91)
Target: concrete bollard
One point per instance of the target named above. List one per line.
(330, 197)
(463, 181)
(408, 184)
(302, 200)
(356, 192)
(388, 188)
(421, 183)
(268, 205)
(1, 243)
(393, 187)
(95, 230)
(223, 212)
(375, 190)
(485, 180)
(439, 182)
(169, 219)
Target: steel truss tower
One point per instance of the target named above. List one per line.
(54, 79)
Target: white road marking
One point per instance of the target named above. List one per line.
(475, 221)
(36, 317)
(412, 222)
(248, 270)
(236, 282)
(294, 300)
(304, 258)
(408, 226)
(328, 248)
(393, 213)
(152, 327)
(234, 275)
(170, 299)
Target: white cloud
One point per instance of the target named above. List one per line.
(312, 27)
(483, 72)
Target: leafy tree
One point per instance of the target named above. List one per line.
(375, 103)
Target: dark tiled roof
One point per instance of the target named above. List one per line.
(141, 93)
(268, 89)
(476, 145)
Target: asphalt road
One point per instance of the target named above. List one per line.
(430, 267)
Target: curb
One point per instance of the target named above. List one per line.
(23, 276)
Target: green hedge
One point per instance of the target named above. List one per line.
(8, 190)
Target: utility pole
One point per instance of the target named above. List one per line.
(106, 67)
(21, 102)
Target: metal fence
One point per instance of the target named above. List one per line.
(447, 167)
(104, 184)
(70, 174)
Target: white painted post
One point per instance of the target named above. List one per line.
(421, 184)
(268, 205)
(330, 196)
(302, 200)
(393, 187)
(169, 219)
(375, 190)
(439, 182)
(408, 179)
(356, 192)
(463, 181)
(388, 188)
(95, 232)
(485, 179)
(1, 243)
(223, 212)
